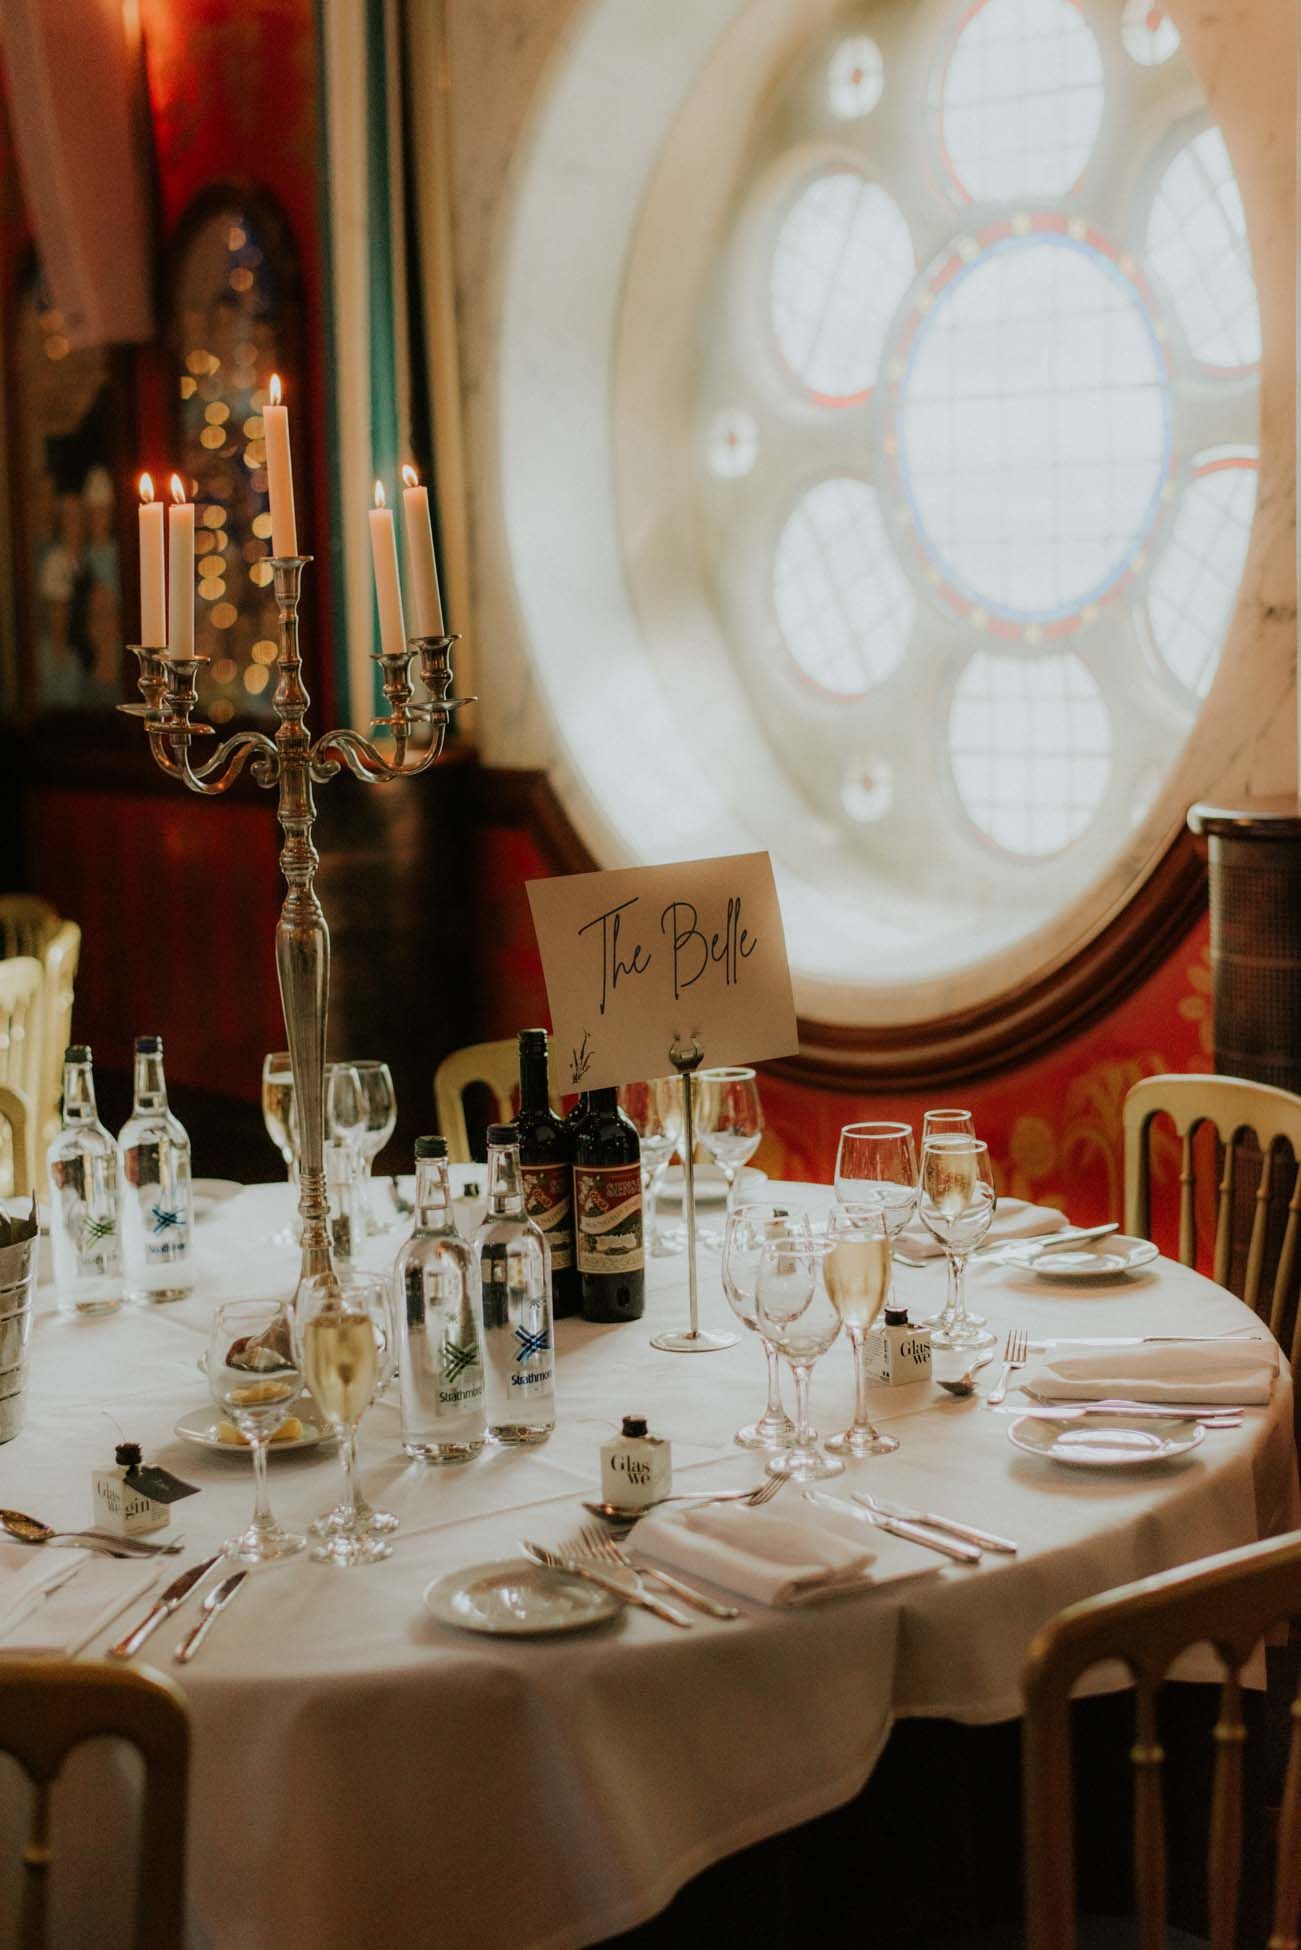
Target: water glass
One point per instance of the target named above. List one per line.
(282, 1129)
(345, 1350)
(380, 1123)
(948, 1123)
(858, 1268)
(956, 1202)
(655, 1110)
(254, 1377)
(794, 1310)
(749, 1225)
(729, 1123)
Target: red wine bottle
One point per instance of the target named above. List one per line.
(546, 1156)
(608, 1213)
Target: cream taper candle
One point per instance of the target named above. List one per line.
(426, 602)
(153, 569)
(180, 591)
(384, 553)
(280, 473)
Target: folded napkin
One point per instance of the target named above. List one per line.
(1014, 1218)
(51, 1610)
(776, 1560)
(1211, 1371)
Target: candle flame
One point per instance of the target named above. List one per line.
(274, 389)
(381, 499)
(146, 487)
(410, 476)
(178, 492)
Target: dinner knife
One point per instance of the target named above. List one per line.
(983, 1539)
(553, 1561)
(163, 1607)
(216, 1601)
(913, 1532)
(1048, 1241)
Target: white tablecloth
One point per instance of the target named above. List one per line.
(363, 1774)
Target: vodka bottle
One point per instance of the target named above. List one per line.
(515, 1267)
(157, 1208)
(546, 1158)
(439, 1319)
(83, 1176)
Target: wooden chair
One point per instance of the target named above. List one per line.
(45, 1711)
(26, 923)
(1228, 1602)
(22, 988)
(494, 1065)
(62, 957)
(1234, 1107)
(15, 1145)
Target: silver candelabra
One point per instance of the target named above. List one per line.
(295, 763)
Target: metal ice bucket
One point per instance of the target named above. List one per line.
(17, 1285)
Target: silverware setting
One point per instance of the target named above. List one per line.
(985, 1540)
(1042, 1241)
(163, 1606)
(1213, 1415)
(594, 1543)
(763, 1493)
(30, 1530)
(213, 1604)
(1241, 1334)
(1016, 1352)
(617, 1585)
(914, 1533)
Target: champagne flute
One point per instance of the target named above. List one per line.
(957, 1204)
(858, 1266)
(748, 1226)
(254, 1378)
(367, 1292)
(282, 1129)
(948, 1123)
(794, 1311)
(655, 1110)
(876, 1171)
(340, 1343)
(381, 1121)
(729, 1124)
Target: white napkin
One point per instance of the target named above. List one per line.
(1212, 1371)
(1014, 1218)
(52, 1609)
(776, 1560)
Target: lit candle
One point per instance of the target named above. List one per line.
(180, 549)
(153, 570)
(280, 473)
(426, 604)
(384, 552)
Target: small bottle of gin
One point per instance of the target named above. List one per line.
(636, 1468)
(515, 1271)
(902, 1351)
(156, 1200)
(133, 1497)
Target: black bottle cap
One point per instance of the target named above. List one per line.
(634, 1425)
(149, 1045)
(431, 1147)
(77, 1053)
(502, 1134)
(129, 1455)
(534, 1041)
(896, 1316)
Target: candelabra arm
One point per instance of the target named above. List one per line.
(226, 764)
(365, 760)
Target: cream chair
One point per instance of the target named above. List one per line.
(15, 1145)
(62, 957)
(26, 924)
(22, 986)
(46, 1710)
(1233, 1106)
(1227, 1602)
(496, 1066)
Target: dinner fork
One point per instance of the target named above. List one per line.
(596, 1543)
(763, 1493)
(1015, 1353)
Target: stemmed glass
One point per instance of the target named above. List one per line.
(729, 1123)
(794, 1311)
(254, 1378)
(956, 1203)
(340, 1329)
(748, 1226)
(948, 1123)
(655, 1110)
(381, 1122)
(368, 1292)
(278, 1116)
(857, 1277)
(876, 1172)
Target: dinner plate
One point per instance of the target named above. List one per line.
(711, 1186)
(1110, 1259)
(515, 1599)
(1106, 1441)
(199, 1425)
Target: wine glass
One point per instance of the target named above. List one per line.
(369, 1292)
(381, 1122)
(948, 1123)
(876, 1171)
(729, 1123)
(341, 1327)
(857, 1274)
(655, 1110)
(956, 1203)
(282, 1128)
(254, 1378)
(794, 1311)
(748, 1226)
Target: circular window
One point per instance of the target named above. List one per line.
(1148, 33)
(855, 78)
(843, 602)
(842, 263)
(1020, 100)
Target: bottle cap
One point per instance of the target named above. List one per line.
(634, 1425)
(896, 1316)
(149, 1045)
(502, 1134)
(431, 1147)
(77, 1053)
(533, 1040)
(129, 1455)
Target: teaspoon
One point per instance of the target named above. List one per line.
(30, 1530)
(965, 1383)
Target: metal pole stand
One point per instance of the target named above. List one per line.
(686, 1058)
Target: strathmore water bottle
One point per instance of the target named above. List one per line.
(439, 1323)
(518, 1337)
(157, 1205)
(82, 1168)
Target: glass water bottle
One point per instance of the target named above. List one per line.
(157, 1206)
(82, 1167)
(515, 1269)
(439, 1320)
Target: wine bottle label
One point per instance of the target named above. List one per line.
(548, 1200)
(607, 1208)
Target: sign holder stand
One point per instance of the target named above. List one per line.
(686, 1058)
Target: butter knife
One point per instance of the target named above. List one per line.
(163, 1607)
(216, 1601)
(913, 1532)
(983, 1539)
(551, 1561)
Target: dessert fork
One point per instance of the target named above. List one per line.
(1015, 1354)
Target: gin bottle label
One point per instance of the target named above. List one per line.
(548, 1201)
(608, 1216)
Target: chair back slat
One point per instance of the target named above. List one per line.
(1224, 1863)
(1259, 1227)
(15, 1126)
(62, 956)
(1148, 1759)
(1187, 1202)
(36, 1871)
(1224, 1216)
(1286, 1271)
(26, 924)
(22, 983)
(1287, 1876)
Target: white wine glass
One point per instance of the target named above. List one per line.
(655, 1110)
(857, 1273)
(381, 1103)
(729, 1123)
(956, 1201)
(341, 1341)
(749, 1225)
(876, 1171)
(254, 1378)
(794, 1311)
(373, 1295)
(282, 1129)
(948, 1123)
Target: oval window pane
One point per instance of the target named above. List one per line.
(1195, 581)
(1030, 750)
(844, 605)
(842, 263)
(1021, 99)
(1197, 247)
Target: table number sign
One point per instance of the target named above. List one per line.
(644, 958)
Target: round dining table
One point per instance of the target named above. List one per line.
(363, 1774)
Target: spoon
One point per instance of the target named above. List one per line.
(965, 1384)
(30, 1530)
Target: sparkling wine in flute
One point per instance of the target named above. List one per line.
(341, 1364)
(950, 1181)
(858, 1277)
(278, 1112)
